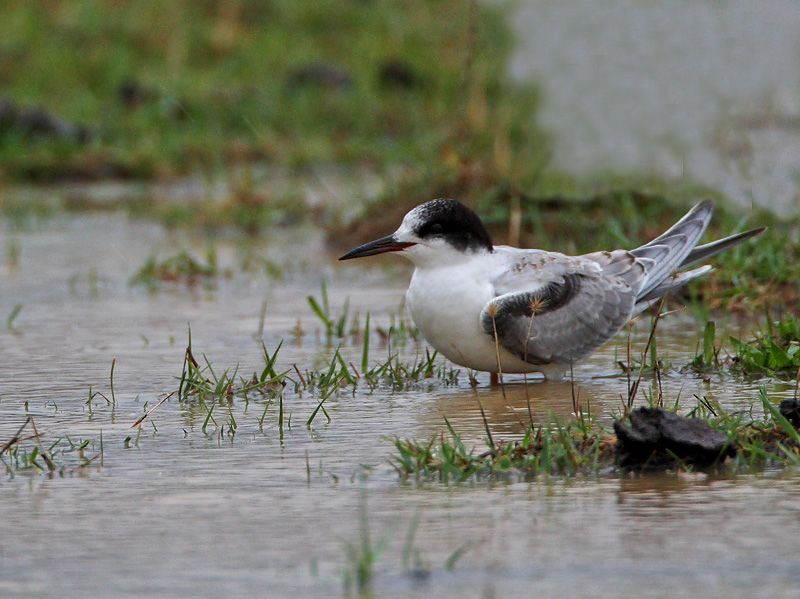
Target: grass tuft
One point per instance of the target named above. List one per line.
(181, 268)
(584, 447)
(29, 453)
(774, 351)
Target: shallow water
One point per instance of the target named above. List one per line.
(183, 513)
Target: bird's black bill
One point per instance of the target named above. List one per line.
(379, 246)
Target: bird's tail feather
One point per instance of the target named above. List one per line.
(671, 283)
(675, 249)
(667, 252)
(703, 252)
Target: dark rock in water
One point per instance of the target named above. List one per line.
(320, 74)
(398, 75)
(790, 408)
(36, 122)
(657, 440)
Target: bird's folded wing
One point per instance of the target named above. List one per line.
(571, 306)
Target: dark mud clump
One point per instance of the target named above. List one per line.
(320, 75)
(790, 408)
(38, 123)
(133, 94)
(659, 440)
(396, 74)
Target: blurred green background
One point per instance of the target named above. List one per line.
(417, 93)
(164, 88)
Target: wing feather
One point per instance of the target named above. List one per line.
(552, 308)
(567, 318)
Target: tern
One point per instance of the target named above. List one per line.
(502, 309)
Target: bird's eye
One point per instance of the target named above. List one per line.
(435, 229)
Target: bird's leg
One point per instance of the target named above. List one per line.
(498, 376)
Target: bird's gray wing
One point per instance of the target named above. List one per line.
(569, 306)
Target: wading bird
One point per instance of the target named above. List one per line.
(511, 310)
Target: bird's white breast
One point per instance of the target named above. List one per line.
(446, 303)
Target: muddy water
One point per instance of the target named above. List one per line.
(180, 512)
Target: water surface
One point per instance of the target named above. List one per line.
(182, 513)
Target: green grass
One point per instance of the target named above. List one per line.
(363, 555)
(245, 208)
(566, 448)
(182, 268)
(12, 316)
(202, 384)
(773, 350)
(344, 325)
(220, 84)
(584, 447)
(707, 358)
(563, 447)
(321, 308)
(28, 452)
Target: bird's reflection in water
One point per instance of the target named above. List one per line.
(507, 407)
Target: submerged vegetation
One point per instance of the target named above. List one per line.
(584, 447)
(761, 437)
(27, 451)
(215, 390)
(364, 554)
(564, 447)
(773, 350)
(181, 268)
